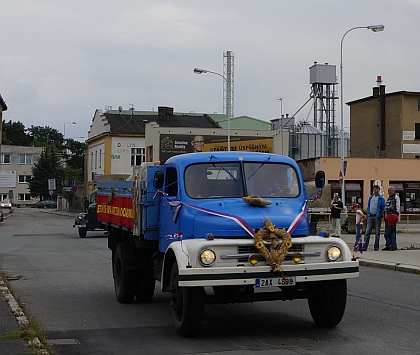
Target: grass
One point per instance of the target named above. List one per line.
(31, 332)
(410, 247)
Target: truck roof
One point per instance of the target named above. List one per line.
(189, 158)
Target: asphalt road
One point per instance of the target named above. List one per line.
(66, 283)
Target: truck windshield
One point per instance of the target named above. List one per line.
(214, 180)
(226, 180)
(271, 180)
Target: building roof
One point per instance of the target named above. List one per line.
(123, 123)
(3, 104)
(414, 93)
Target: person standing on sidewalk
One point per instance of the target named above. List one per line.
(360, 217)
(391, 230)
(336, 207)
(375, 210)
(393, 201)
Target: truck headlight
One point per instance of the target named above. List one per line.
(207, 257)
(333, 253)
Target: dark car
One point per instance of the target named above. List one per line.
(45, 204)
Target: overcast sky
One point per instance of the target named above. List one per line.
(61, 60)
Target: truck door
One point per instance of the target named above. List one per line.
(169, 225)
(150, 205)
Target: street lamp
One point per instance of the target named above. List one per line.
(64, 132)
(373, 28)
(228, 99)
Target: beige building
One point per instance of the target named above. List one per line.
(15, 172)
(363, 173)
(385, 125)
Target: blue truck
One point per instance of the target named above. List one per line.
(222, 227)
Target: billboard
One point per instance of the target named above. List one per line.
(174, 144)
(8, 178)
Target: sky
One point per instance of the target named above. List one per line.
(62, 60)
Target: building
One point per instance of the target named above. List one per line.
(385, 125)
(363, 173)
(16, 170)
(116, 139)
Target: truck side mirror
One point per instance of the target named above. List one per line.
(158, 180)
(320, 179)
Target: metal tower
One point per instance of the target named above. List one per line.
(228, 64)
(323, 80)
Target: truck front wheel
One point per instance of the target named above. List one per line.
(187, 305)
(124, 280)
(82, 232)
(327, 301)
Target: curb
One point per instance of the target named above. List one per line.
(20, 316)
(411, 269)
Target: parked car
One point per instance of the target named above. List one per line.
(45, 204)
(5, 204)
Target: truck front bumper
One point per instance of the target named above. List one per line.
(190, 277)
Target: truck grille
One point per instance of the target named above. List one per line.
(250, 249)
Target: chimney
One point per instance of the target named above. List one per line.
(164, 112)
(379, 89)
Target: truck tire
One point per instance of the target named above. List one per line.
(82, 232)
(124, 280)
(327, 301)
(187, 305)
(145, 285)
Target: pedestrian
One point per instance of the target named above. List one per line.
(394, 202)
(336, 208)
(360, 217)
(85, 204)
(391, 230)
(375, 210)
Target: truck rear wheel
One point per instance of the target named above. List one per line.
(124, 280)
(82, 232)
(187, 305)
(145, 285)
(327, 301)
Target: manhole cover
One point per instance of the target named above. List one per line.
(297, 341)
(63, 342)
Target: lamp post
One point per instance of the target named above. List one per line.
(64, 132)
(373, 28)
(228, 98)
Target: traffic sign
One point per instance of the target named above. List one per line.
(51, 184)
(74, 188)
(340, 178)
(51, 192)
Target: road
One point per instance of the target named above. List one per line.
(66, 283)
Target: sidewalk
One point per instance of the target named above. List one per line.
(405, 259)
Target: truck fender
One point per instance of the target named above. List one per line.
(177, 251)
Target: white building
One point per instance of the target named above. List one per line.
(16, 164)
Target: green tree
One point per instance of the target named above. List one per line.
(48, 166)
(44, 136)
(14, 133)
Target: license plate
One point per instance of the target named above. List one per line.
(275, 282)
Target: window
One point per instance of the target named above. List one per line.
(5, 158)
(96, 159)
(91, 160)
(24, 178)
(416, 130)
(24, 197)
(100, 158)
(137, 156)
(25, 159)
(418, 105)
